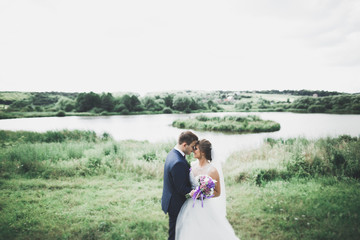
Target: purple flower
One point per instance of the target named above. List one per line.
(205, 189)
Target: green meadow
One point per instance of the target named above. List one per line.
(77, 185)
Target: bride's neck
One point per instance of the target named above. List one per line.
(203, 162)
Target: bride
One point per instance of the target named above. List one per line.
(208, 221)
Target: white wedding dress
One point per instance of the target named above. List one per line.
(207, 222)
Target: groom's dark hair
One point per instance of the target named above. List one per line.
(187, 137)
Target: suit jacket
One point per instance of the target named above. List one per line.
(176, 182)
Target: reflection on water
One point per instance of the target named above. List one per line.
(155, 128)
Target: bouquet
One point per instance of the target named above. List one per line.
(205, 189)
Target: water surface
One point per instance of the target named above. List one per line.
(155, 128)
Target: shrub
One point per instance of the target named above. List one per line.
(181, 102)
(120, 107)
(96, 110)
(316, 109)
(187, 110)
(94, 162)
(125, 112)
(167, 110)
(60, 114)
(150, 156)
(69, 107)
(202, 118)
(356, 107)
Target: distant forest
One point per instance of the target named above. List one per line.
(301, 92)
(28, 104)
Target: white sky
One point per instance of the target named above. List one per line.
(160, 45)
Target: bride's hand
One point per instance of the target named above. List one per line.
(192, 193)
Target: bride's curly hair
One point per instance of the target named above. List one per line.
(205, 147)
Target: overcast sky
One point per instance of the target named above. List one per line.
(159, 45)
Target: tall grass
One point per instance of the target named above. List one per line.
(10, 137)
(54, 155)
(88, 187)
(296, 189)
(298, 157)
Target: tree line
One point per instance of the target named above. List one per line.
(303, 92)
(167, 102)
(106, 102)
(341, 103)
(347, 103)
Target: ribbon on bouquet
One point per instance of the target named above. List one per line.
(198, 193)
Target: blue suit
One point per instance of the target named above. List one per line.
(176, 186)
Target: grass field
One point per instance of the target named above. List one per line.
(76, 185)
(14, 96)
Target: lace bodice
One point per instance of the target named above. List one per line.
(193, 179)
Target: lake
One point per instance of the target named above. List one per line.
(155, 128)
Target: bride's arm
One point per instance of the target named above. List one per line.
(214, 174)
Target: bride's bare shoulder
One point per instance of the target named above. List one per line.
(213, 172)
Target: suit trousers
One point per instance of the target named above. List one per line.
(172, 226)
(173, 215)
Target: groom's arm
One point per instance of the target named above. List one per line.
(180, 175)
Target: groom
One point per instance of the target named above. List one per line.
(176, 178)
